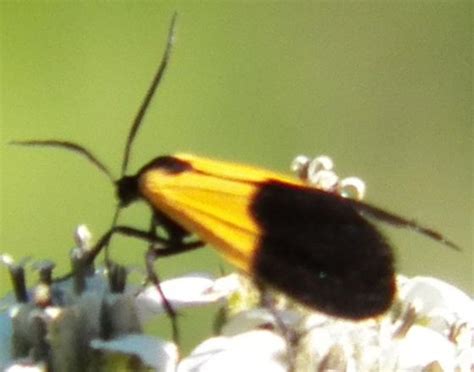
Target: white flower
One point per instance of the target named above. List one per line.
(257, 350)
(401, 340)
(152, 352)
(80, 322)
(190, 290)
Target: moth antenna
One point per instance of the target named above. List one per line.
(149, 95)
(398, 221)
(71, 146)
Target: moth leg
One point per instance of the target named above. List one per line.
(122, 230)
(163, 247)
(174, 245)
(159, 247)
(152, 276)
(290, 335)
(152, 254)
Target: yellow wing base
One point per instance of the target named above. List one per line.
(213, 201)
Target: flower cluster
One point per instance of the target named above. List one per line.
(94, 319)
(81, 324)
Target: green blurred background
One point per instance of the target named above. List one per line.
(385, 88)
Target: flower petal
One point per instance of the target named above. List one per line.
(155, 353)
(258, 350)
(187, 291)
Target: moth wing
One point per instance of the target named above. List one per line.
(215, 209)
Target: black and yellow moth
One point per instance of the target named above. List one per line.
(317, 247)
